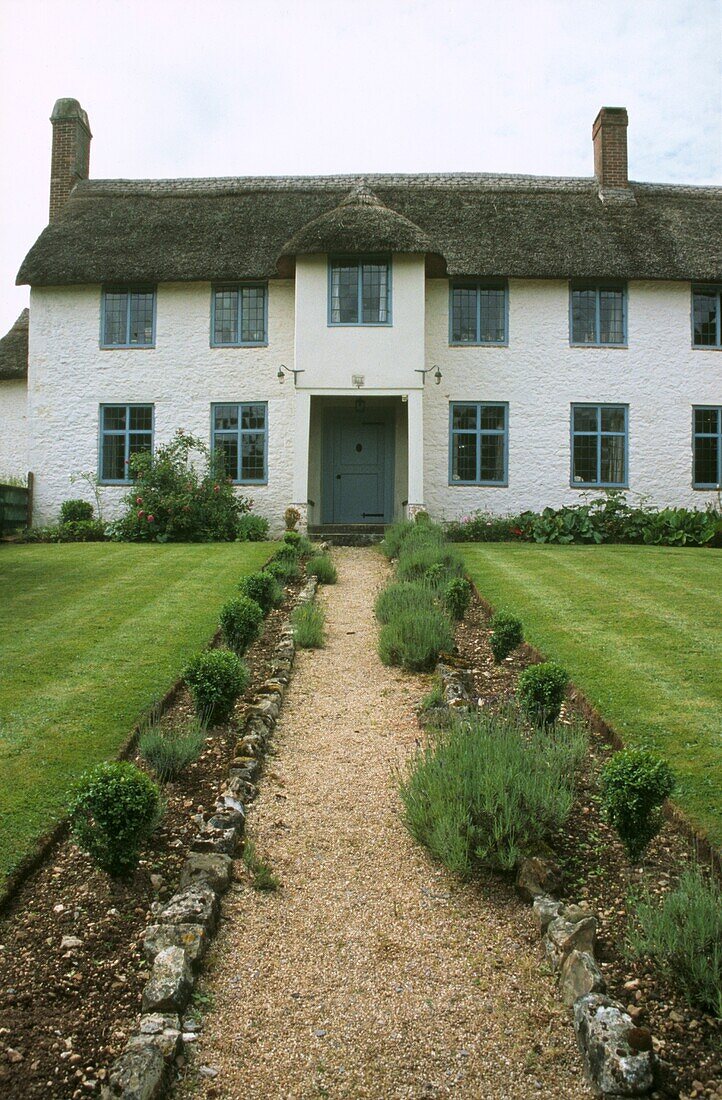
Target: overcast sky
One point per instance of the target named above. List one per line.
(248, 87)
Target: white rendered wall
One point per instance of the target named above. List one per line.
(13, 428)
(659, 375)
(182, 376)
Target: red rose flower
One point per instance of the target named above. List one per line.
(141, 514)
(216, 488)
(150, 519)
(138, 500)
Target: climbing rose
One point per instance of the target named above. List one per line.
(141, 514)
(216, 488)
(150, 519)
(138, 500)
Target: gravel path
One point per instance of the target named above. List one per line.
(371, 972)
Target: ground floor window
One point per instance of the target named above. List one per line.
(125, 430)
(599, 446)
(240, 435)
(478, 439)
(707, 447)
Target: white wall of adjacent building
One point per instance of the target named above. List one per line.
(13, 428)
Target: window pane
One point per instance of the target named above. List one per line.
(706, 460)
(707, 420)
(226, 448)
(492, 417)
(113, 460)
(463, 458)
(586, 418)
(463, 315)
(253, 417)
(611, 316)
(492, 315)
(492, 458)
(114, 418)
(584, 458)
(374, 293)
(613, 471)
(465, 416)
(612, 419)
(706, 306)
(253, 313)
(225, 316)
(138, 443)
(141, 317)
(584, 307)
(344, 294)
(140, 418)
(252, 456)
(225, 418)
(115, 317)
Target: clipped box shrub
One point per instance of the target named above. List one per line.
(414, 638)
(241, 622)
(264, 588)
(635, 784)
(308, 626)
(75, 511)
(299, 542)
(169, 751)
(114, 810)
(403, 596)
(540, 692)
(252, 528)
(321, 566)
(215, 678)
(507, 633)
(457, 597)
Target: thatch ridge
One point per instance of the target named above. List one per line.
(14, 349)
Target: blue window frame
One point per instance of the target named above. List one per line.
(707, 446)
(598, 314)
(707, 317)
(239, 433)
(359, 290)
(125, 430)
(478, 442)
(127, 317)
(478, 312)
(239, 315)
(599, 446)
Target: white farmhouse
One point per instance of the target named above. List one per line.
(365, 346)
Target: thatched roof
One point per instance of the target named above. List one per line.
(14, 349)
(517, 226)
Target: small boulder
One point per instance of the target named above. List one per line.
(546, 909)
(191, 937)
(70, 943)
(536, 875)
(160, 1030)
(170, 982)
(212, 868)
(611, 1063)
(195, 904)
(137, 1074)
(580, 975)
(563, 937)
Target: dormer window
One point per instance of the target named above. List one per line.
(359, 291)
(128, 317)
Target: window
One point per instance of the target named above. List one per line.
(125, 430)
(707, 447)
(598, 314)
(477, 313)
(240, 435)
(478, 443)
(239, 315)
(360, 291)
(599, 446)
(128, 317)
(707, 317)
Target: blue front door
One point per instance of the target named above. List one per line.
(358, 468)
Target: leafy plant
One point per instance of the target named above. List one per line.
(308, 626)
(264, 588)
(169, 750)
(507, 633)
(263, 876)
(682, 934)
(417, 558)
(284, 569)
(72, 511)
(402, 596)
(481, 793)
(321, 566)
(292, 518)
(241, 622)
(415, 638)
(85, 530)
(485, 527)
(635, 784)
(114, 809)
(540, 691)
(215, 678)
(434, 698)
(252, 528)
(457, 597)
(302, 545)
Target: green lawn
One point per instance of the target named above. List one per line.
(640, 631)
(90, 635)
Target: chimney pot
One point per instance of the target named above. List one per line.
(70, 160)
(609, 134)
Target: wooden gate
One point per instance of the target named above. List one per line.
(16, 507)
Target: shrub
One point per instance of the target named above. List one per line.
(114, 809)
(284, 569)
(394, 537)
(457, 597)
(434, 698)
(307, 622)
(215, 679)
(481, 793)
(291, 517)
(682, 934)
(301, 545)
(484, 527)
(635, 783)
(287, 551)
(72, 511)
(241, 622)
(264, 588)
(416, 559)
(415, 638)
(403, 596)
(82, 530)
(541, 690)
(321, 566)
(436, 575)
(169, 751)
(507, 633)
(252, 528)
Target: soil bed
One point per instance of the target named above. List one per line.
(66, 1014)
(597, 871)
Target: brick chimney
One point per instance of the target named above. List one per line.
(70, 159)
(609, 134)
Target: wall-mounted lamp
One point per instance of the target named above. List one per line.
(283, 371)
(424, 371)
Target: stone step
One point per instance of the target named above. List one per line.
(347, 534)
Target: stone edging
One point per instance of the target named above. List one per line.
(184, 925)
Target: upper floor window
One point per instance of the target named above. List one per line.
(707, 447)
(128, 317)
(240, 435)
(599, 446)
(707, 316)
(478, 443)
(125, 430)
(478, 312)
(239, 315)
(598, 314)
(360, 291)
